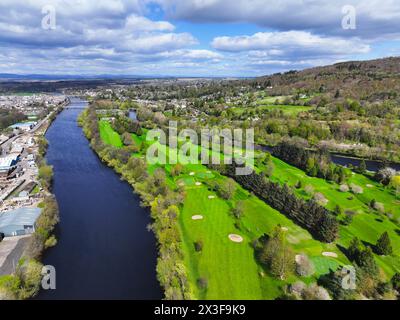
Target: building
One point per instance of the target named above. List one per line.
(24, 126)
(7, 165)
(19, 221)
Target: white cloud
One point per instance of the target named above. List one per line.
(118, 36)
(138, 23)
(375, 18)
(282, 43)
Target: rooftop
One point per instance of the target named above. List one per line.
(20, 216)
(8, 161)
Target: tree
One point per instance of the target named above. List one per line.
(269, 169)
(277, 255)
(348, 219)
(238, 210)
(198, 246)
(362, 168)
(46, 175)
(309, 189)
(304, 266)
(227, 189)
(137, 168)
(356, 189)
(176, 170)
(383, 245)
(385, 175)
(396, 282)
(202, 283)
(127, 139)
(366, 262)
(395, 183)
(338, 210)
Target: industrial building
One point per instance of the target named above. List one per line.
(19, 221)
(24, 126)
(7, 165)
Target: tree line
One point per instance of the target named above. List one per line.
(319, 221)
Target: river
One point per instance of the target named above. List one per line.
(104, 250)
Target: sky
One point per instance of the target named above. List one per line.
(241, 38)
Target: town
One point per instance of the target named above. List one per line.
(20, 190)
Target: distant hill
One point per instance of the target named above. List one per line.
(46, 77)
(372, 80)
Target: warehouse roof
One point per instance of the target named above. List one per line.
(23, 125)
(6, 162)
(20, 216)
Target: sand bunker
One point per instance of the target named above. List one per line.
(235, 238)
(197, 217)
(198, 183)
(298, 258)
(181, 184)
(370, 186)
(330, 254)
(284, 229)
(191, 174)
(211, 197)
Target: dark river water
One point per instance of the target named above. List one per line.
(104, 250)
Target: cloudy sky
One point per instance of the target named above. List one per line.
(192, 37)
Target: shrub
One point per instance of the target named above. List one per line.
(320, 199)
(198, 246)
(315, 292)
(304, 266)
(227, 189)
(50, 242)
(385, 175)
(309, 189)
(30, 274)
(396, 281)
(348, 219)
(297, 288)
(238, 210)
(379, 207)
(356, 189)
(176, 170)
(202, 283)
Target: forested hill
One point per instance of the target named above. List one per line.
(371, 81)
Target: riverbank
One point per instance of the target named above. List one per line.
(23, 262)
(171, 271)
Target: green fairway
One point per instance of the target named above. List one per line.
(286, 109)
(108, 135)
(231, 269)
(367, 224)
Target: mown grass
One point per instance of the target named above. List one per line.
(367, 223)
(231, 269)
(108, 135)
(286, 109)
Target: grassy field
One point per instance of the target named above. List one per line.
(286, 109)
(230, 268)
(367, 224)
(108, 135)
